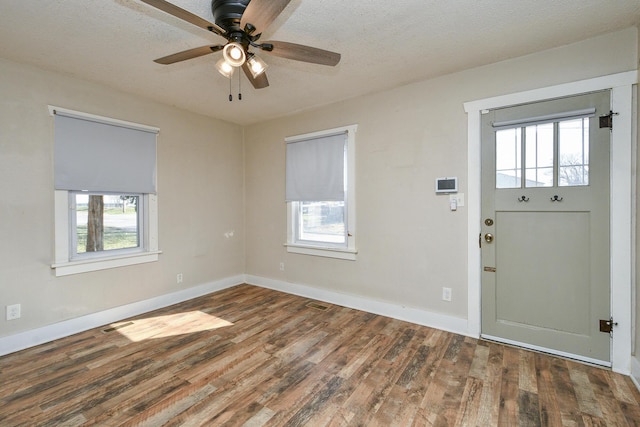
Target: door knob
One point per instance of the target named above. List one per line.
(488, 237)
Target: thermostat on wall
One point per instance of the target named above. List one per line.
(447, 185)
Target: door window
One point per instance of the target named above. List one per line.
(545, 154)
(573, 146)
(538, 141)
(509, 158)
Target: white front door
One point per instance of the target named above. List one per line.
(545, 226)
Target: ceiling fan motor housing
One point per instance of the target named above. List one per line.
(227, 13)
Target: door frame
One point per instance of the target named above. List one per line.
(622, 200)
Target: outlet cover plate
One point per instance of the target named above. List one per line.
(13, 312)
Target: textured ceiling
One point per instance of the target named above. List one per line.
(383, 43)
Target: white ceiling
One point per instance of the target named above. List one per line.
(383, 43)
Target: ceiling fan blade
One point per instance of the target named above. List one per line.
(259, 82)
(185, 15)
(188, 54)
(303, 53)
(261, 13)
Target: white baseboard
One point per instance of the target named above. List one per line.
(421, 317)
(69, 327)
(20, 341)
(635, 372)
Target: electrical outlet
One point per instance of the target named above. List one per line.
(13, 312)
(282, 266)
(179, 278)
(446, 294)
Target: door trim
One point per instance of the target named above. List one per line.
(622, 209)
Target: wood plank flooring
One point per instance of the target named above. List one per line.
(248, 356)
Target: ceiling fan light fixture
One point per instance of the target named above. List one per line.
(241, 23)
(234, 54)
(256, 65)
(224, 68)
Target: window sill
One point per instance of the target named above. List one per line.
(95, 264)
(327, 252)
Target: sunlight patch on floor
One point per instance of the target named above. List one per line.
(169, 325)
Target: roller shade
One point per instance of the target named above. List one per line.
(93, 155)
(530, 121)
(315, 169)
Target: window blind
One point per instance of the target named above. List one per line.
(92, 155)
(315, 169)
(530, 121)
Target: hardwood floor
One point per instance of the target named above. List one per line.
(251, 356)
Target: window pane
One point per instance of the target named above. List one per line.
(322, 222)
(574, 152)
(509, 158)
(106, 222)
(539, 155)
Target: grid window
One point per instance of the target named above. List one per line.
(546, 154)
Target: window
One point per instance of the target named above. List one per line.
(105, 185)
(321, 222)
(320, 193)
(573, 152)
(554, 153)
(539, 155)
(107, 223)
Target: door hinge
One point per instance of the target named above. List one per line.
(606, 121)
(607, 325)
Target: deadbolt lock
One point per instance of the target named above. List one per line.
(488, 237)
(488, 222)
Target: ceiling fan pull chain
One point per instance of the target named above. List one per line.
(230, 96)
(239, 87)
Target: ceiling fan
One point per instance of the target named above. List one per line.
(242, 22)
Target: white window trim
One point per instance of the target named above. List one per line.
(149, 243)
(349, 251)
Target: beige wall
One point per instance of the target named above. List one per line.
(410, 244)
(200, 197)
